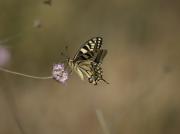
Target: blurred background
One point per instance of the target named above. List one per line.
(142, 67)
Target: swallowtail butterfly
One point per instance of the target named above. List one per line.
(88, 59)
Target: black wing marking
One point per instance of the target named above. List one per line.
(89, 49)
(100, 56)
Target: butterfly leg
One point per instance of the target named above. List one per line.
(105, 81)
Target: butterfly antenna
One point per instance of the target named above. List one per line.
(67, 51)
(63, 55)
(66, 54)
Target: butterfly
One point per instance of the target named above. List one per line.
(88, 59)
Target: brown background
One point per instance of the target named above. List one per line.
(142, 66)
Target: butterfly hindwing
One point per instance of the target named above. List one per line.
(100, 56)
(86, 68)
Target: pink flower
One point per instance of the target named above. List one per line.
(59, 73)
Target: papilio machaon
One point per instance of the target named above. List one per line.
(88, 59)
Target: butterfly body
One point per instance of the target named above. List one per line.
(88, 59)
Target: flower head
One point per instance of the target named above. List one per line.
(59, 73)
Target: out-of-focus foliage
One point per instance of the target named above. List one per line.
(142, 66)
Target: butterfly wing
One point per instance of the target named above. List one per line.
(89, 49)
(86, 68)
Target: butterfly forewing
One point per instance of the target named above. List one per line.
(89, 49)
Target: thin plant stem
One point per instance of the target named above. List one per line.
(102, 121)
(25, 75)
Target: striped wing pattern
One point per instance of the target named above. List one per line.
(89, 49)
